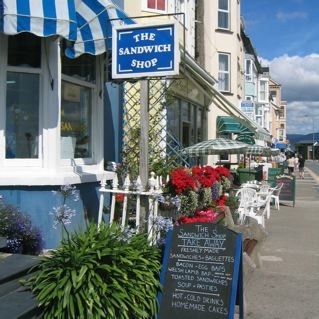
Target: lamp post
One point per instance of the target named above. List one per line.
(313, 139)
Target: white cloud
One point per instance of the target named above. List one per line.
(299, 77)
(288, 16)
(302, 117)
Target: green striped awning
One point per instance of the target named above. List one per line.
(227, 124)
(261, 150)
(216, 146)
(255, 149)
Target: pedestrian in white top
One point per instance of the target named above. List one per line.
(291, 165)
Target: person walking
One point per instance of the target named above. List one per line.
(301, 167)
(291, 165)
(296, 162)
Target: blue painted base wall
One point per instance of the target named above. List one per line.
(38, 203)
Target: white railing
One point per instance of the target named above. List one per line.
(154, 190)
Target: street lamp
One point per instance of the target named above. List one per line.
(314, 148)
(313, 138)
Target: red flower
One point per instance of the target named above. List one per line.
(221, 201)
(222, 171)
(205, 175)
(182, 180)
(119, 197)
(206, 215)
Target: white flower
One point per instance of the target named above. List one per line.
(62, 215)
(163, 224)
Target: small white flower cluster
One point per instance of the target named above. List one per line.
(69, 191)
(63, 214)
(169, 200)
(163, 224)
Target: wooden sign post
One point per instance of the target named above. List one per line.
(202, 273)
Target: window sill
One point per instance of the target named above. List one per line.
(227, 93)
(45, 177)
(224, 31)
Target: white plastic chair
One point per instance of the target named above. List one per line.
(264, 197)
(247, 199)
(253, 206)
(259, 212)
(275, 195)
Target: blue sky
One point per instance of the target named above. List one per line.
(285, 34)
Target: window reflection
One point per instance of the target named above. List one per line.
(75, 121)
(22, 115)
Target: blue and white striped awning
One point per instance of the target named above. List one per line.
(40, 17)
(87, 23)
(95, 19)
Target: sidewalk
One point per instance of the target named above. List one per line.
(286, 286)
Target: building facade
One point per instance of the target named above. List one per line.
(278, 115)
(64, 115)
(53, 105)
(222, 50)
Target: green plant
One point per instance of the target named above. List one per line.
(99, 273)
(189, 202)
(161, 167)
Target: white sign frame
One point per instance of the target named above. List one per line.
(128, 30)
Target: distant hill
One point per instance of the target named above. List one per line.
(296, 138)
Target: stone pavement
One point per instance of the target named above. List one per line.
(286, 286)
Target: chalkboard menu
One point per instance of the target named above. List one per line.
(202, 273)
(288, 190)
(272, 174)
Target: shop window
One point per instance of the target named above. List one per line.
(79, 79)
(22, 111)
(76, 110)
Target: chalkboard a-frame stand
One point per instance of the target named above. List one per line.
(288, 190)
(202, 273)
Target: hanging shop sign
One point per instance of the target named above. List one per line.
(246, 139)
(145, 51)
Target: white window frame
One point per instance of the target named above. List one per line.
(49, 168)
(145, 7)
(249, 75)
(227, 72)
(263, 92)
(89, 160)
(227, 12)
(4, 68)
